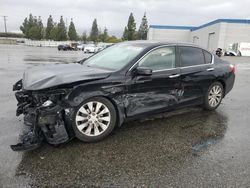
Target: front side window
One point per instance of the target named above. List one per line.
(159, 59)
(190, 56)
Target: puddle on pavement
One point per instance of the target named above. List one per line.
(164, 143)
(203, 145)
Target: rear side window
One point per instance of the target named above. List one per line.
(190, 56)
(208, 57)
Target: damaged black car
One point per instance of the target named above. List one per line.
(129, 80)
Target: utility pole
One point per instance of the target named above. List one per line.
(5, 26)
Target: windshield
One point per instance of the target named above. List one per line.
(114, 57)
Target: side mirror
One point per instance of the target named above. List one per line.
(143, 71)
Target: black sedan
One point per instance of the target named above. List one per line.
(126, 81)
(66, 47)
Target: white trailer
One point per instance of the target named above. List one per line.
(238, 49)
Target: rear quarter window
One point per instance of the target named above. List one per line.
(191, 56)
(208, 57)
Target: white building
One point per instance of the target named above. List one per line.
(221, 33)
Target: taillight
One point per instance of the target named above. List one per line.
(232, 68)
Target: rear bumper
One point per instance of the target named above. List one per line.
(229, 83)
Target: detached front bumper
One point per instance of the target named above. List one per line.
(46, 122)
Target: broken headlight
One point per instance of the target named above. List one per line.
(49, 98)
(18, 85)
(47, 103)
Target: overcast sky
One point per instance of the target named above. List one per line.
(114, 13)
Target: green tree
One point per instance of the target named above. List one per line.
(131, 28)
(143, 29)
(72, 31)
(61, 30)
(31, 22)
(94, 31)
(34, 33)
(53, 32)
(49, 28)
(84, 37)
(25, 27)
(40, 27)
(33, 28)
(125, 34)
(104, 36)
(113, 39)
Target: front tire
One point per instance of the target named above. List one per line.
(94, 119)
(213, 96)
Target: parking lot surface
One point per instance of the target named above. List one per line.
(186, 148)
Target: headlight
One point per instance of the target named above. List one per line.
(18, 85)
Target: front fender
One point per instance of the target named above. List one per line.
(115, 93)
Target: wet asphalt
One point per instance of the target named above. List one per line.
(186, 148)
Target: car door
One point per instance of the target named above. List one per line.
(191, 64)
(155, 92)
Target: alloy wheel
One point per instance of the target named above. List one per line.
(93, 118)
(215, 96)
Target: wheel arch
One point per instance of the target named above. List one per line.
(76, 99)
(223, 84)
(118, 108)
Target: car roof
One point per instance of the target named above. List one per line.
(148, 43)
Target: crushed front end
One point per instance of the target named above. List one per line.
(45, 114)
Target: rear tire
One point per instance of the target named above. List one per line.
(94, 119)
(213, 96)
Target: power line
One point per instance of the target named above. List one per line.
(5, 20)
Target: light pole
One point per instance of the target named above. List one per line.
(5, 26)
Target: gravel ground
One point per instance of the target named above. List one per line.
(186, 148)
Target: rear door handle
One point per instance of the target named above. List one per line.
(174, 76)
(210, 69)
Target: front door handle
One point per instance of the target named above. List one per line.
(143, 79)
(210, 69)
(174, 76)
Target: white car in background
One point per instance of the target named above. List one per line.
(102, 46)
(90, 48)
(80, 47)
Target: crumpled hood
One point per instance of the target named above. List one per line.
(47, 76)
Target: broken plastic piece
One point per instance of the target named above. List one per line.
(25, 146)
(32, 139)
